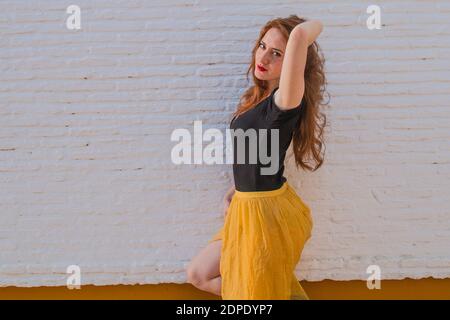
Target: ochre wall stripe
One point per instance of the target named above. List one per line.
(427, 288)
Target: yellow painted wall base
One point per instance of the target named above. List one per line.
(427, 288)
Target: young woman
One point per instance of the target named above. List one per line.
(254, 255)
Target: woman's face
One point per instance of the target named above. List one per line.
(269, 55)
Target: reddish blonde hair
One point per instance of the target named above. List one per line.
(308, 135)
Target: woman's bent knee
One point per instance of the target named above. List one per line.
(205, 265)
(194, 277)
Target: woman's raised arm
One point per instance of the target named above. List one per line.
(292, 82)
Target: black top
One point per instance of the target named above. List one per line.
(265, 115)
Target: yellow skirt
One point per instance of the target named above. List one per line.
(262, 240)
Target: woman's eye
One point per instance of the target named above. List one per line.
(277, 54)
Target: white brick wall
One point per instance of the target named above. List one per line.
(86, 118)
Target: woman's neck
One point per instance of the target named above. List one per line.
(272, 85)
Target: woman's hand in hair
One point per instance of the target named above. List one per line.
(309, 30)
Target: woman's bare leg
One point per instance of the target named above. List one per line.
(213, 286)
(203, 271)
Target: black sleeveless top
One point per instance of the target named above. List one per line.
(265, 115)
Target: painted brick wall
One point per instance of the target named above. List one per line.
(86, 116)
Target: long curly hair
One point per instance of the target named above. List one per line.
(307, 140)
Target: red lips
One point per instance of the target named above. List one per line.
(261, 68)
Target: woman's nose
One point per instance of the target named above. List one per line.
(266, 58)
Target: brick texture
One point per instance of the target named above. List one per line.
(86, 115)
